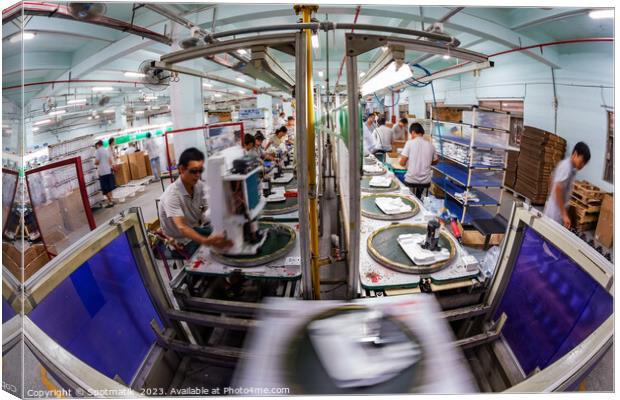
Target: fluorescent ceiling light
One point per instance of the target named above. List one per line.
(241, 91)
(109, 111)
(102, 88)
(362, 74)
(384, 48)
(90, 118)
(240, 79)
(387, 77)
(315, 41)
(242, 52)
(134, 74)
(42, 122)
(35, 129)
(96, 117)
(217, 95)
(154, 107)
(57, 112)
(24, 36)
(77, 101)
(207, 85)
(321, 74)
(446, 57)
(600, 14)
(150, 97)
(139, 112)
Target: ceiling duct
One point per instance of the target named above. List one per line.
(263, 66)
(86, 11)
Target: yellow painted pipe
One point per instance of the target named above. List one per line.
(306, 11)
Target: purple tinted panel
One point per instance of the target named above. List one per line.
(102, 313)
(7, 311)
(550, 303)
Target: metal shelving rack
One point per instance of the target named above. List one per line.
(473, 159)
(83, 147)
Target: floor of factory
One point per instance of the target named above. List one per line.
(333, 278)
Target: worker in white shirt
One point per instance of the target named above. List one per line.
(384, 140)
(280, 121)
(290, 128)
(400, 130)
(153, 151)
(418, 156)
(131, 148)
(103, 161)
(369, 142)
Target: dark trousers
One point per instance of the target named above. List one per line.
(418, 188)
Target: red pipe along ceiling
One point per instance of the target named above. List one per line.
(61, 11)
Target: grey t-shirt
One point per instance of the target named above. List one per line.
(399, 133)
(564, 173)
(420, 155)
(384, 138)
(103, 156)
(176, 202)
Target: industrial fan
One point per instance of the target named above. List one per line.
(103, 100)
(86, 11)
(155, 79)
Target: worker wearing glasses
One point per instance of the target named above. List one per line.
(183, 203)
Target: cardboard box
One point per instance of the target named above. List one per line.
(147, 164)
(72, 210)
(36, 264)
(473, 238)
(137, 168)
(604, 233)
(122, 174)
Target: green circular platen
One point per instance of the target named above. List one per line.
(365, 186)
(280, 240)
(306, 374)
(281, 207)
(370, 209)
(383, 247)
(291, 184)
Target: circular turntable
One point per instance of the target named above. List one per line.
(287, 206)
(371, 210)
(358, 334)
(280, 240)
(383, 247)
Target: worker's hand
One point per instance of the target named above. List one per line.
(218, 240)
(566, 221)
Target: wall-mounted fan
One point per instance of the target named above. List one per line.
(155, 79)
(103, 100)
(86, 11)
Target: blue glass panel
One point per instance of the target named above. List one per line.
(102, 313)
(551, 304)
(7, 311)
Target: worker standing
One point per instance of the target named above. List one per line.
(369, 142)
(290, 128)
(153, 151)
(418, 156)
(104, 161)
(400, 130)
(280, 121)
(562, 179)
(182, 205)
(384, 140)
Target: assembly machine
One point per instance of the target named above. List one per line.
(100, 318)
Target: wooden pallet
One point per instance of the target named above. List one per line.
(588, 226)
(584, 207)
(587, 193)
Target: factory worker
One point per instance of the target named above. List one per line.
(280, 121)
(249, 146)
(418, 156)
(183, 203)
(104, 162)
(290, 128)
(278, 137)
(369, 142)
(400, 130)
(153, 151)
(383, 136)
(259, 142)
(131, 148)
(562, 179)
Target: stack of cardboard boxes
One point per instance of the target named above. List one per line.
(131, 167)
(540, 153)
(511, 169)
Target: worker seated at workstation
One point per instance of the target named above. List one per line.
(183, 205)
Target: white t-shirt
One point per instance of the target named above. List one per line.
(420, 155)
(151, 147)
(370, 143)
(384, 138)
(564, 173)
(102, 155)
(176, 202)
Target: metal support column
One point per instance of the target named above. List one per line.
(306, 12)
(301, 145)
(353, 254)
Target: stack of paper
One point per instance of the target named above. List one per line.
(285, 178)
(392, 205)
(380, 181)
(277, 195)
(373, 169)
(467, 196)
(411, 243)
